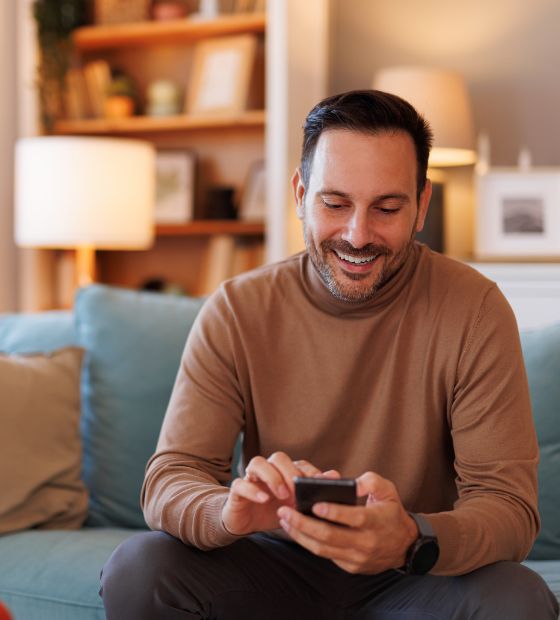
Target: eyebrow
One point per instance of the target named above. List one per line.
(382, 198)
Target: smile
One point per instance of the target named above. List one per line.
(356, 260)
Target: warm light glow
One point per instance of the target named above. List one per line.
(443, 157)
(75, 191)
(441, 97)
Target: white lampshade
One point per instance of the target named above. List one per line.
(441, 97)
(81, 191)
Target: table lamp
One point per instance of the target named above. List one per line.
(441, 96)
(84, 193)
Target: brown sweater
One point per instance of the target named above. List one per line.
(424, 384)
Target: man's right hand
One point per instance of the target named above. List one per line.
(253, 501)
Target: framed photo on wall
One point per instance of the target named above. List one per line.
(175, 178)
(221, 75)
(518, 214)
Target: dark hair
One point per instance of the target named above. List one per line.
(369, 111)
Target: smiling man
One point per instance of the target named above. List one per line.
(368, 357)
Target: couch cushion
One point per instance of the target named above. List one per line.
(37, 332)
(54, 575)
(134, 342)
(40, 446)
(541, 350)
(549, 570)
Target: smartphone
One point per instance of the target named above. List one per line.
(310, 491)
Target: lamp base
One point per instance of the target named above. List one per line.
(85, 265)
(433, 233)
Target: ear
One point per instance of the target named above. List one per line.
(423, 205)
(299, 192)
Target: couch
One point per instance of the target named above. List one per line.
(133, 342)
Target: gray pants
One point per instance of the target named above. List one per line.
(154, 576)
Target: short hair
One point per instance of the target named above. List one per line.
(368, 111)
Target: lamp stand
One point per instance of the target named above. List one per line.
(85, 265)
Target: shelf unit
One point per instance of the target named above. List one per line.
(294, 81)
(226, 145)
(150, 125)
(90, 38)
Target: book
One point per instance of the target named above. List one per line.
(97, 75)
(76, 100)
(218, 263)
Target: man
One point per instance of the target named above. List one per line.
(370, 357)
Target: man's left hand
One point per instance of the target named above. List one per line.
(370, 539)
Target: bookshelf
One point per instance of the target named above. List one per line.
(90, 38)
(294, 81)
(147, 125)
(226, 146)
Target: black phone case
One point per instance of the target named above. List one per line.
(309, 491)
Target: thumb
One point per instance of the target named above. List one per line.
(375, 487)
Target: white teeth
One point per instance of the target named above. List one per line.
(354, 259)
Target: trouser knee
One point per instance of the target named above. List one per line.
(509, 590)
(133, 581)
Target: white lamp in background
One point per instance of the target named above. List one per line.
(85, 194)
(441, 96)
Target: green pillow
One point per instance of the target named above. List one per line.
(541, 350)
(133, 342)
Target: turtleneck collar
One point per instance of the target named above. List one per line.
(320, 296)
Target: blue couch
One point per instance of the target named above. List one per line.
(133, 342)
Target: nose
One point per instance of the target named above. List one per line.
(357, 230)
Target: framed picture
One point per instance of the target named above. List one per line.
(518, 214)
(253, 201)
(221, 75)
(175, 174)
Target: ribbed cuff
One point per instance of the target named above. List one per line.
(211, 530)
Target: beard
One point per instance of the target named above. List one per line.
(355, 287)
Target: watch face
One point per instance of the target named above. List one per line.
(425, 557)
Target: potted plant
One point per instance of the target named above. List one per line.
(55, 20)
(122, 96)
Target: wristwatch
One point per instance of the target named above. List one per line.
(423, 554)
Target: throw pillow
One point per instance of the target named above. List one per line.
(541, 350)
(40, 449)
(134, 341)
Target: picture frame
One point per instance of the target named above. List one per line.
(518, 214)
(221, 75)
(253, 201)
(175, 180)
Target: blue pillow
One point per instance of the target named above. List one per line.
(37, 332)
(541, 350)
(133, 341)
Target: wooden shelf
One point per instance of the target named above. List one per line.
(185, 30)
(152, 124)
(211, 227)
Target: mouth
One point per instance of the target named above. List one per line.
(356, 264)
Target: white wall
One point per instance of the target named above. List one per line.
(508, 51)
(8, 128)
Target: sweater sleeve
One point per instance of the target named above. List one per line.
(495, 516)
(184, 487)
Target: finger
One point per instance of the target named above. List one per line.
(287, 468)
(357, 517)
(260, 469)
(377, 487)
(322, 539)
(307, 469)
(331, 474)
(241, 488)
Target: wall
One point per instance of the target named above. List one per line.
(7, 138)
(508, 51)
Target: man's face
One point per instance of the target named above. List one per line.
(360, 212)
